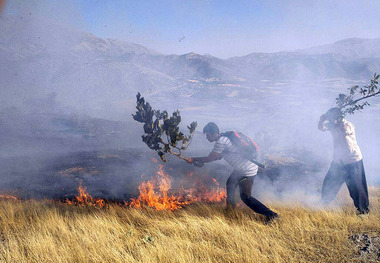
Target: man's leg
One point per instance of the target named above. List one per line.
(245, 186)
(232, 183)
(357, 186)
(332, 183)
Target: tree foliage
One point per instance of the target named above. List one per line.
(162, 132)
(356, 97)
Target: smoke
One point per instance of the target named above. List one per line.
(2, 2)
(285, 125)
(67, 99)
(65, 13)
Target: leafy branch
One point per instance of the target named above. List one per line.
(161, 131)
(350, 103)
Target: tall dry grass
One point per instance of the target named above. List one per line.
(46, 231)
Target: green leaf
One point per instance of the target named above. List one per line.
(161, 133)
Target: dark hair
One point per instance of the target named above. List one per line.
(211, 127)
(335, 113)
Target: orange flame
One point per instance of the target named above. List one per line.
(159, 200)
(203, 194)
(8, 197)
(217, 195)
(85, 199)
(155, 194)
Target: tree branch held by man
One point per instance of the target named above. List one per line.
(162, 132)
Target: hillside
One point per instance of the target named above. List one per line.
(40, 57)
(47, 231)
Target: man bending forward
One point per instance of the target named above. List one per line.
(242, 175)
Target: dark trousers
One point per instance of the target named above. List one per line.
(354, 176)
(245, 186)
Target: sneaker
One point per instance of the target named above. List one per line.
(363, 212)
(272, 218)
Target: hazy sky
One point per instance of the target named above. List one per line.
(221, 28)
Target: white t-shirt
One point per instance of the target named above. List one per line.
(232, 156)
(346, 149)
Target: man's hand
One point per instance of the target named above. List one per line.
(195, 162)
(198, 164)
(321, 124)
(213, 156)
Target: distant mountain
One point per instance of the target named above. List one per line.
(301, 66)
(350, 59)
(354, 48)
(40, 58)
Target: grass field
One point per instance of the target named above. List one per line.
(48, 231)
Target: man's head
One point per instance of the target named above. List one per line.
(212, 132)
(334, 114)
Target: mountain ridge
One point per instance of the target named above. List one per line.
(41, 58)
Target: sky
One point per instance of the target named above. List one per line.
(220, 28)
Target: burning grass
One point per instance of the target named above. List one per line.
(85, 199)
(8, 197)
(155, 194)
(161, 200)
(49, 231)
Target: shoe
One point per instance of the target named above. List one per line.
(364, 212)
(272, 218)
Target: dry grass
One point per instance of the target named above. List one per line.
(45, 231)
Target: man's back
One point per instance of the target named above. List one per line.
(346, 148)
(233, 157)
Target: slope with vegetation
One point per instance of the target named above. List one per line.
(47, 231)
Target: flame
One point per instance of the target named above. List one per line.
(155, 194)
(8, 197)
(85, 199)
(204, 194)
(217, 195)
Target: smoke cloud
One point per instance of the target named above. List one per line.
(67, 99)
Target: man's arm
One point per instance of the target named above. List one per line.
(213, 156)
(347, 127)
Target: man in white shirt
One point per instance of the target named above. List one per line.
(242, 175)
(347, 165)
